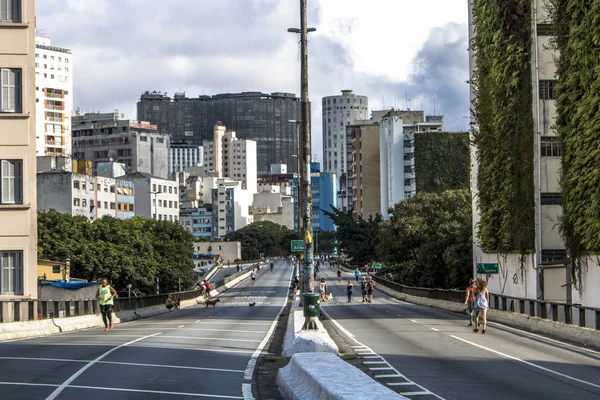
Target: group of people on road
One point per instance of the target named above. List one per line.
(477, 300)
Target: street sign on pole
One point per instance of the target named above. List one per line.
(297, 246)
(487, 268)
(376, 266)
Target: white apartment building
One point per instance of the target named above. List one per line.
(105, 197)
(67, 192)
(397, 131)
(155, 197)
(229, 157)
(230, 207)
(338, 113)
(54, 99)
(18, 211)
(182, 156)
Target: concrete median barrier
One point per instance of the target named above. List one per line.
(325, 376)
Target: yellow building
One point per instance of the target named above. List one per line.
(53, 270)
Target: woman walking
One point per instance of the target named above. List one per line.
(482, 301)
(470, 299)
(349, 288)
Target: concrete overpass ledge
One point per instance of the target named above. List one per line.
(325, 376)
(299, 341)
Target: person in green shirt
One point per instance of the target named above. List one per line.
(105, 296)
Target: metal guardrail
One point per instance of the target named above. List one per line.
(572, 314)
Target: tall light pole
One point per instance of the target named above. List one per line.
(309, 281)
(300, 193)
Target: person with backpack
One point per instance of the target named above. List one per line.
(363, 290)
(482, 301)
(370, 286)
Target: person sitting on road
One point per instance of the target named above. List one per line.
(170, 303)
(322, 289)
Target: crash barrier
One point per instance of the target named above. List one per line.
(570, 314)
(325, 376)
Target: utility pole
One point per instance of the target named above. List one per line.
(305, 140)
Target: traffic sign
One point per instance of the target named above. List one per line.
(297, 246)
(487, 268)
(376, 266)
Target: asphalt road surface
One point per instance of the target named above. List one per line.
(426, 353)
(196, 352)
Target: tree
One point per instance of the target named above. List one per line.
(134, 251)
(356, 238)
(263, 237)
(327, 241)
(428, 240)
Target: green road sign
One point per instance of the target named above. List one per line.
(487, 268)
(376, 266)
(297, 246)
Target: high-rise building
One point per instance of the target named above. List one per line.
(103, 137)
(227, 156)
(54, 99)
(230, 207)
(182, 156)
(256, 116)
(323, 188)
(338, 113)
(18, 210)
(541, 213)
(397, 131)
(366, 182)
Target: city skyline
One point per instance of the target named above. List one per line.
(395, 58)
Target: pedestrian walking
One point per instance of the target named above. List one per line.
(207, 290)
(363, 290)
(482, 301)
(349, 288)
(105, 296)
(253, 277)
(470, 299)
(356, 274)
(370, 289)
(339, 275)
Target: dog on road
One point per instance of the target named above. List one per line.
(212, 302)
(328, 297)
(252, 304)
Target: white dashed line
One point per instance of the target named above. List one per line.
(381, 368)
(415, 393)
(412, 320)
(374, 362)
(433, 329)
(389, 376)
(400, 384)
(181, 326)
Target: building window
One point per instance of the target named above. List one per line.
(550, 146)
(106, 205)
(12, 182)
(550, 199)
(112, 189)
(10, 11)
(75, 184)
(11, 263)
(550, 256)
(131, 207)
(83, 203)
(547, 89)
(76, 202)
(112, 205)
(10, 80)
(143, 138)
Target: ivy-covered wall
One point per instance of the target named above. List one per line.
(442, 161)
(503, 132)
(577, 30)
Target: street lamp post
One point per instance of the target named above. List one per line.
(309, 282)
(300, 194)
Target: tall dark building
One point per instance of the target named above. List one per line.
(257, 116)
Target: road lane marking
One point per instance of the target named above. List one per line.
(414, 393)
(370, 357)
(400, 384)
(66, 383)
(232, 322)
(219, 396)
(215, 350)
(247, 391)
(433, 329)
(252, 362)
(397, 373)
(28, 384)
(209, 338)
(374, 362)
(197, 329)
(381, 368)
(44, 359)
(527, 362)
(170, 366)
(181, 326)
(412, 320)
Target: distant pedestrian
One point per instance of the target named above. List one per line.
(322, 289)
(207, 286)
(482, 301)
(237, 267)
(356, 274)
(363, 290)
(349, 288)
(105, 296)
(253, 277)
(370, 289)
(470, 299)
(339, 275)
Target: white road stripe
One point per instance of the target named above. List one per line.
(156, 392)
(400, 384)
(193, 329)
(370, 357)
(247, 391)
(214, 350)
(181, 326)
(527, 362)
(415, 393)
(66, 383)
(171, 366)
(28, 384)
(209, 338)
(389, 376)
(412, 320)
(44, 359)
(381, 368)
(433, 329)
(374, 362)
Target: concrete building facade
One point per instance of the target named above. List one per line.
(182, 156)
(54, 99)
(18, 202)
(154, 197)
(71, 193)
(397, 131)
(103, 137)
(366, 173)
(339, 112)
(199, 221)
(256, 116)
(230, 207)
(226, 156)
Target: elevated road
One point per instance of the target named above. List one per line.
(426, 353)
(197, 352)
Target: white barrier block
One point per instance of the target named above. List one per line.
(299, 341)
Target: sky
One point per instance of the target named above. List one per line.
(399, 53)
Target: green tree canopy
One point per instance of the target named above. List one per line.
(264, 237)
(357, 238)
(428, 240)
(133, 251)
